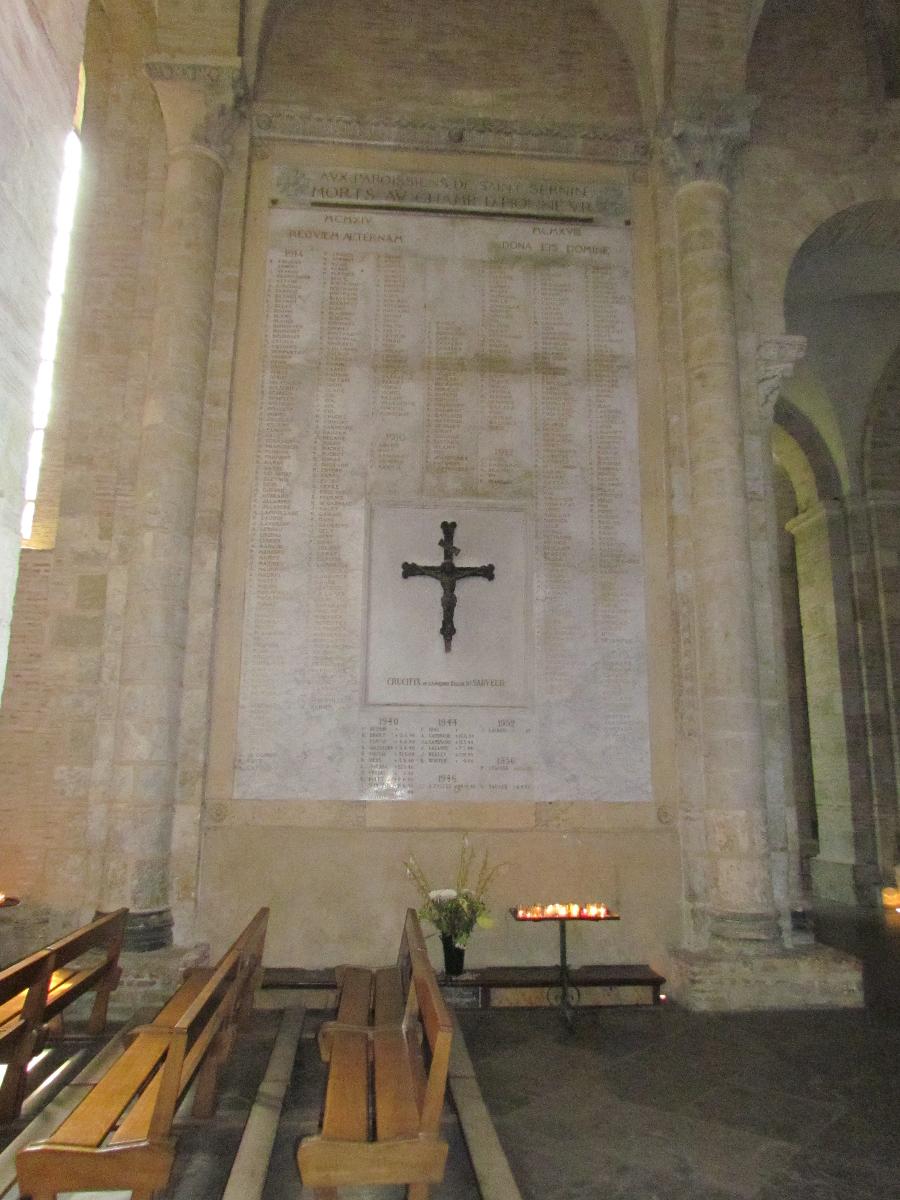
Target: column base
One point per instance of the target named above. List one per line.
(743, 932)
(148, 929)
(809, 977)
(149, 978)
(27, 928)
(801, 929)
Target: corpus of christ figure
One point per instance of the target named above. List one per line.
(447, 574)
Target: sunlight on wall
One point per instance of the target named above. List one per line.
(43, 390)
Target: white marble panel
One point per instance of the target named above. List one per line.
(421, 368)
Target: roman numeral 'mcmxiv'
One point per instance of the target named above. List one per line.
(448, 575)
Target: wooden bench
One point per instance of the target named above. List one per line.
(119, 1136)
(385, 1090)
(35, 991)
(370, 999)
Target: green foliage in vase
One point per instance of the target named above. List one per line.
(455, 911)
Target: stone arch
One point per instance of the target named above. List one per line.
(756, 11)
(813, 473)
(812, 87)
(643, 29)
(855, 832)
(842, 293)
(813, 203)
(260, 17)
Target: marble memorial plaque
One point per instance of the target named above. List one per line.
(421, 368)
(487, 664)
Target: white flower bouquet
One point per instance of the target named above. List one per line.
(456, 911)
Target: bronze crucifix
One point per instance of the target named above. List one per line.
(447, 574)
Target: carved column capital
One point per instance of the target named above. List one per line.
(702, 142)
(202, 102)
(776, 358)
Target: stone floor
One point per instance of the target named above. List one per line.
(669, 1105)
(681, 1106)
(660, 1104)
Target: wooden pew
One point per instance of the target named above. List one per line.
(385, 1092)
(35, 992)
(120, 1136)
(370, 999)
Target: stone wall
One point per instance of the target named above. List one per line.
(708, 41)
(798, 716)
(334, 874)
(199, 663)
(54, 736)
(40, 47)
(198, 26)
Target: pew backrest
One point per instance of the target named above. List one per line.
(104, 934)
(426, 1005)
(23, 995)
(35, 991)
(119, 1135)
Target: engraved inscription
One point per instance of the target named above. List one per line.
(420, 367)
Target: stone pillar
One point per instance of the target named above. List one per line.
(815, 530)
(873, 769)
(884, 516)
(741, 907)
(776, 358)
(198, 101)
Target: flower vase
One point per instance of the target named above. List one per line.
(454, 956)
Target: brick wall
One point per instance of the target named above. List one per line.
(198, 26)
(40, 46)
(53, 784)
(708, 49)
(556, 62)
